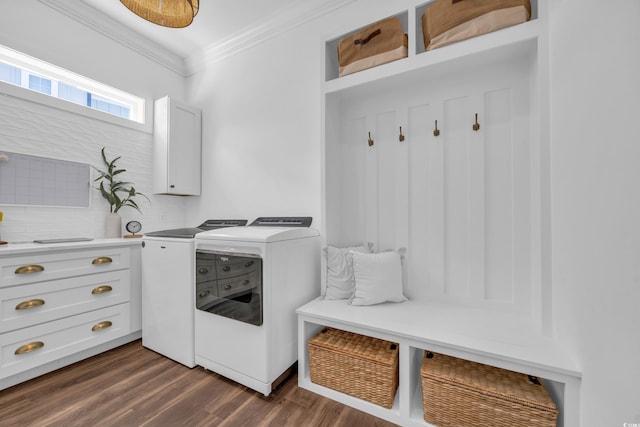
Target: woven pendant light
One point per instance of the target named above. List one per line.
(168, 13)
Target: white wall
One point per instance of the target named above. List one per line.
(261, 133)
(254, 102)
(41, 130)
(262, 122)
(595, 151)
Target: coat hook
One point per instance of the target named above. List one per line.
(436, 132)
(476, 125)
(401, 137)
(370, 140)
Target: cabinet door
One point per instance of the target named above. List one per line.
(168, 298)
(177, 148)
(184, 149)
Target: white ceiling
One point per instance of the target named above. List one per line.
(216, 21)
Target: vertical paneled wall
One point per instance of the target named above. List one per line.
(461, 202)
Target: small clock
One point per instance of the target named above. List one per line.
(133, 227)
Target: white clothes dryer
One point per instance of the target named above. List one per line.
(249, 283)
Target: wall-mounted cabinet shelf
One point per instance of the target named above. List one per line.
(483, 49)
(177, 139)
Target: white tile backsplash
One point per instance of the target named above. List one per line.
(36, 129)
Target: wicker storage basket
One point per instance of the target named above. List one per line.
(382, 42)
(458, 392)
(357, 365)
(449, 21)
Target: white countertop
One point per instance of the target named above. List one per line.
(30, 247)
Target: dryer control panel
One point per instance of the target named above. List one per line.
(283, 221)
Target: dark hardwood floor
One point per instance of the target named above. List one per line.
(133, 386)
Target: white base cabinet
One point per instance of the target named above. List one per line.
(61, 303)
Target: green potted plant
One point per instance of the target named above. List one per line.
(117, 193)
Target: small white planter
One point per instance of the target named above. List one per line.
(113, 226)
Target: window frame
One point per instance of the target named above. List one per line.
(30, 66)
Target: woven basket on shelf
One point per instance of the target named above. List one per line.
(357, 365)
(458, 392)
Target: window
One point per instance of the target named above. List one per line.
(39, 84)
(108, 106)
(10, 74)
(30, 73)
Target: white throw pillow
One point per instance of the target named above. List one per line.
(378, 278)
(339, 275)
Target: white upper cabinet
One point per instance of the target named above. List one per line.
(177, 137)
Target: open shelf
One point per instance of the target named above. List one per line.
(510, 43)
(456, 56)
(331, 47)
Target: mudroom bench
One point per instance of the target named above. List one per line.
(492, 338)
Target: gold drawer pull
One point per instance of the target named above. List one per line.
(101, 325)
(102, 260)
(24, 305)
(102, 289)
(25, 269)
(28, 348)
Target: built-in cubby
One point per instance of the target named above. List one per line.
(420, 9)
(418, 58)
(445, 153)
(331, 46)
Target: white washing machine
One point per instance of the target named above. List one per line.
(250, 282)
(168, 266)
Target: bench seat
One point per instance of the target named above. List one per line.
(494, 338)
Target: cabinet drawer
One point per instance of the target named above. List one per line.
(28, 305)
(51, 341)
(40, 267)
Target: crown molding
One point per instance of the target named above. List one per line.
(279, 22)
(109, 27)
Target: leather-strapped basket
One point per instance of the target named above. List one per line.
(382, 42)
(458, 392)
(449, 21)
(357, 365)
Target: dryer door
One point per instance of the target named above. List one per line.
(229, 285)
